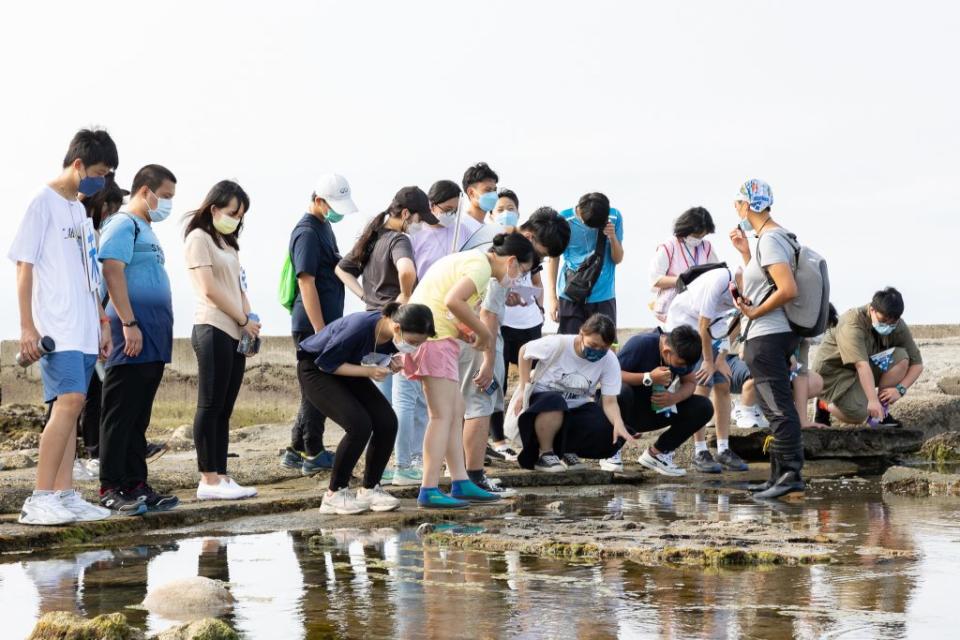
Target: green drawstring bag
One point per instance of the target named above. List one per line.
(287, 291)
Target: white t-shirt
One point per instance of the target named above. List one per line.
(523, 316)
(570, 375)
(51, 238)
(709, 297)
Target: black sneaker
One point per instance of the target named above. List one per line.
(890, 421)
(153, 500)
(494, 487)
(821, 415)
(121, 503)
(572, 461)
(155, 450)
(493, 454)
(550, 463)
(704, 463)
(731, 461)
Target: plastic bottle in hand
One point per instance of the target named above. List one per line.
(249, 346)
(45, 345)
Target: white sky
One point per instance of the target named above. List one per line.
(846, 108)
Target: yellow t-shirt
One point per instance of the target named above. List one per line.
(442, 276)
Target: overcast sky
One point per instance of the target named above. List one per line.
(849, 110)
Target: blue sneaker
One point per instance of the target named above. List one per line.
(316, 464)
(291, 459)
(436, 499)
(387, 477)
(467, 490)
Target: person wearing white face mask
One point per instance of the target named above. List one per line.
(687, 248)
(141, 321)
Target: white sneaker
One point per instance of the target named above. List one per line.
(745, 417)
(45, 510)
(377, 499)
(82, 473)
(83, 510)
(248, 492)
(223, 490)
(613, 463)
(761, 419)
(342, 503)
(662, 463)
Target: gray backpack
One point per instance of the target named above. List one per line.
(809, 312)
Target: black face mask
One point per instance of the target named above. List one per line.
(681, 371)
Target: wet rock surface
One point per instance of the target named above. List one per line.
(206, 629)
(833, 442)
(943, 447)
(910, 481)
(687, 542)
(189, 598)
(63, 625)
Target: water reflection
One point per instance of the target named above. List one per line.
(384, 584)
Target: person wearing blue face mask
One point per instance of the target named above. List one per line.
(561, 420)
(319, 301)
(141, 321)
(658, 373)
(868, 361)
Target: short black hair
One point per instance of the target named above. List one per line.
(686, 342)
(412, 317)
(92, 146)
(507, 193)
(889, 302)
(833, 316)
(550, 229)
(443, 190)
(600, 325)
(693, 221)
(594, 210)
(152, 176)
(478, 173)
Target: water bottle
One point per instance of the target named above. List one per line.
(657, 388)
(45, 345)
(248, 345)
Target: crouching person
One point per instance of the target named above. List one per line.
(345, 359)
(651, 363)
(868, 361)
(562, 421)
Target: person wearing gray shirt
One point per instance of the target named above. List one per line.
(769, 342)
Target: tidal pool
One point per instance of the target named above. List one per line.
(386, 584)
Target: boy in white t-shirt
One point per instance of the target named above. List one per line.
(58, 280)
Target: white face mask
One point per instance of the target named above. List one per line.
(414, 228)
(508, 281)
(402, 346)
(446, 219)
(692, 242)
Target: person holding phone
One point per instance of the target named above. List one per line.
(346, 358)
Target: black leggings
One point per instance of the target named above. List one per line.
(513, 339)
(307, 432)
(362, 412)
(769, 360)
(692, 414)
(219, 376)
(88, 427)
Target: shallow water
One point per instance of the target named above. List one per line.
(384, 584)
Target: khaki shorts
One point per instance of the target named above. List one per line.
(852, 401)
(480, 404)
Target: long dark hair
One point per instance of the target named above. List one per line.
(219, 196)
(111, 195)
(412, 318)
(363, 248)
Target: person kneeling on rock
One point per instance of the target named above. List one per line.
(658, 391)
(868, 361)
(350, 354)
(561, 421)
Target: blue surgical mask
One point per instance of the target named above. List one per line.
(745, 225)
(593, 355)
(508, 218)
(488, 200)
(91, 185)
(884, 329)
(163, 210)
(333, 216)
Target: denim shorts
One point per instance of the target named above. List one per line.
(739, 374)
(65, 372)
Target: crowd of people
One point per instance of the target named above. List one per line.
(456, 289)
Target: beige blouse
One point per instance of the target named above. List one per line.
(202, 251)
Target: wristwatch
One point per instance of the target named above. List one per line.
(902, 390)
(647, 380)
(132, 323)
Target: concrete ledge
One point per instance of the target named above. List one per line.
(834, 442)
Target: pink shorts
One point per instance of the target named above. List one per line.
(434, 359)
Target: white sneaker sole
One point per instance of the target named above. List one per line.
(575, 467)
(381, 508)
(46, 523)
(608, 466)
(555, 469)
(338, 511)
(406, 482)
(653, 466)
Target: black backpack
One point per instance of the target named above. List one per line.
(694, 272)
(580, 281)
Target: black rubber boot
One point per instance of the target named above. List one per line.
(763, 486)
(788, 478)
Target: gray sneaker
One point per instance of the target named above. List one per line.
(731, 461)
(704, 463)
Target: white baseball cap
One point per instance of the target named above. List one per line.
(335, 189)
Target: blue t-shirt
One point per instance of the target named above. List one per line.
(148, 288)
(346, 341)
(313, 251)
(583, 240)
